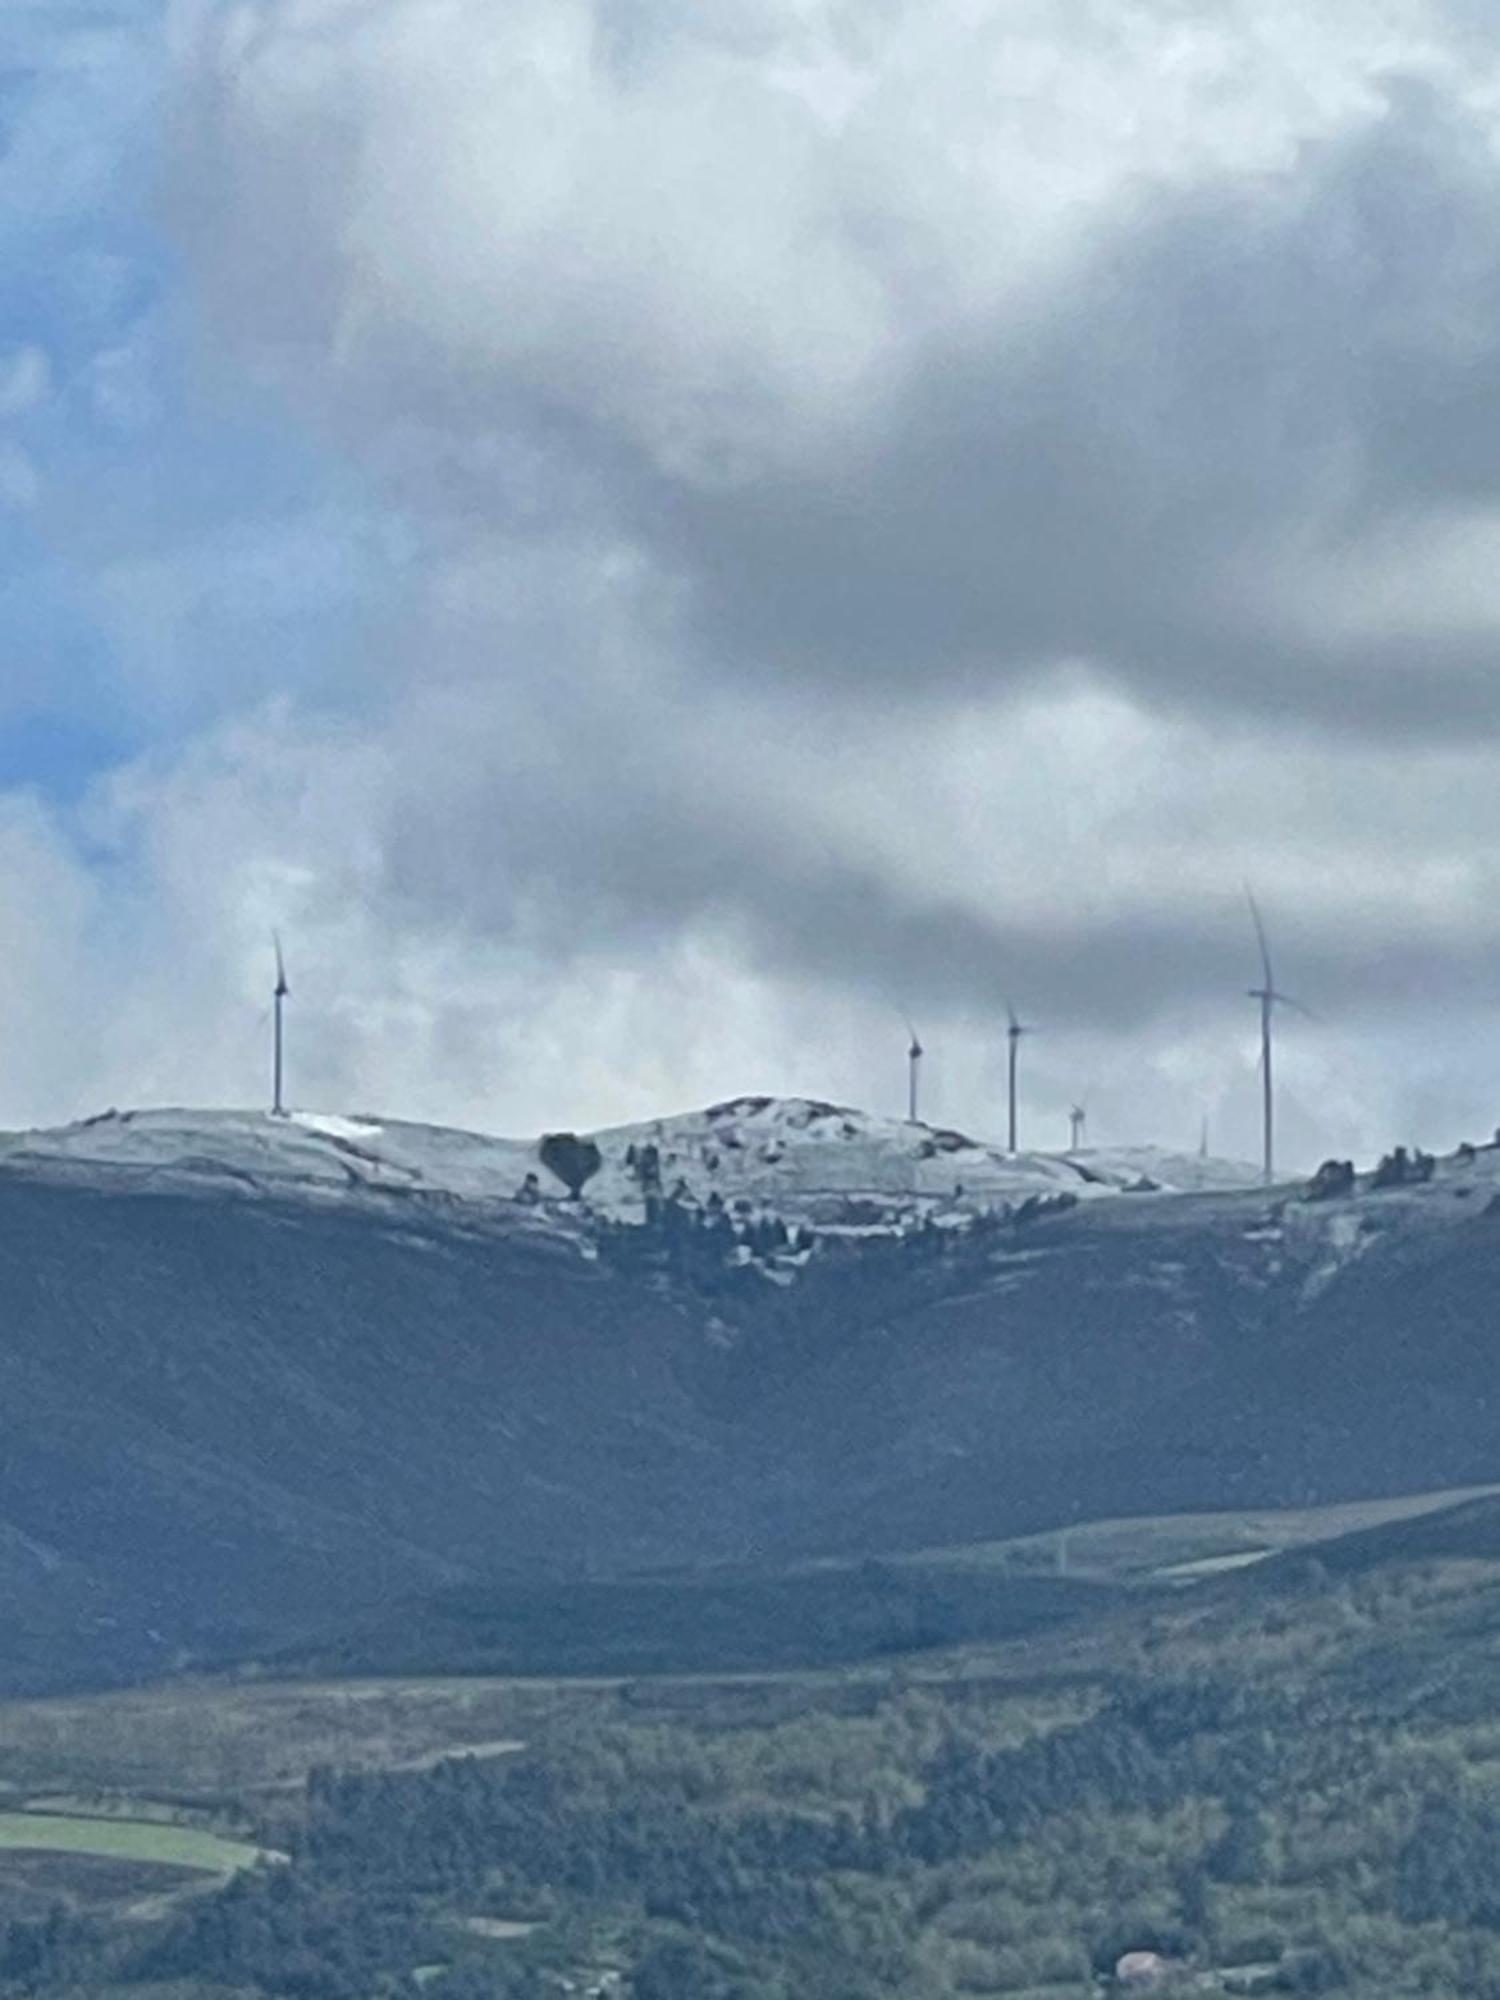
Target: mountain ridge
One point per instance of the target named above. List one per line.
(250, 1386)
(763, 1149)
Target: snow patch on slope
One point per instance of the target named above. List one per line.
(771, 1151)
(824, 1164)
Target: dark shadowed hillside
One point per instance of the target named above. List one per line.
(230, 1416)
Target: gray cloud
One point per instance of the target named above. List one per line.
(860, 448)
(1242, 385)
(895, 506)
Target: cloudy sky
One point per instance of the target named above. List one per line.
(652, 537)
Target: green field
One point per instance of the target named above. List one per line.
(126, 1840)
(1168, 1548)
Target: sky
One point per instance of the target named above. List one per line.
(657, 542)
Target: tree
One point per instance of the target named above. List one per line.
(1334, 1179)
(573, 1160)
(1243, 1852)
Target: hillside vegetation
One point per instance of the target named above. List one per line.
(245, 1418)
(1286, 1780)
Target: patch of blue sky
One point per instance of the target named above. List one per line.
(165, 555)
(78, 85)
(58, 756)
(60, 694)
(75, 276)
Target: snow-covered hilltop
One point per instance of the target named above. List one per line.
(797, 1152)
(820, 1163)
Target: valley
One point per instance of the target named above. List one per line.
(1281, 1776)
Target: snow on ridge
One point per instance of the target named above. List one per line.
(354, 1129)
(763, 1147)
(798, 1156)
(827, 1167)
(307, 1151)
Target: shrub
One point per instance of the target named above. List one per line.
(574, 1161)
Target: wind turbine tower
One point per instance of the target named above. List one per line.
(913, 1072)
(1014, 1033)
(1269, 1000)
(278, 1107)
(1078, 1119)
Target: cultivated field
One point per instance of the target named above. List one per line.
(126, 1840)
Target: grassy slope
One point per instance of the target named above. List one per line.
(752, 1622)
(218, 1740)
(126, 1840)
(830, 1613)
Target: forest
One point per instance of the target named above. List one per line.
(1282, 1782)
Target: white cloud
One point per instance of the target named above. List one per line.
(48, 987)
(722, 235)
(513, 987)
(899, 506)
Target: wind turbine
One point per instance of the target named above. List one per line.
(913, 1072)
(1078, 1118)
(1270, 1000)
(279, 995)
(1014, 1033)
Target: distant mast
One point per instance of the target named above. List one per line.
(1270, 1000)
(913, 1073)
(1078, 1118)
(278, 1057)
(1014, 1033)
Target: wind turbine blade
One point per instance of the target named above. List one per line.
(281, 985)
(1286, 1000)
